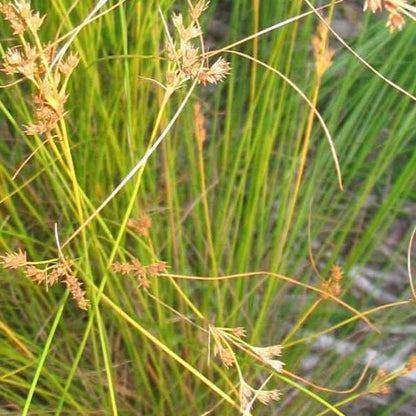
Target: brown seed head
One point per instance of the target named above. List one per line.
(18, 62)
(393, 6)
(141, 225)
(38, 276)
(153, 270)
(381, 373)
(67, 66)
(200, 131)
(323, 53)
(217, 72)
(336, 272)
(395, 22)
(336, 289)
(373, 5)
(198, 9)
(74, 286)
(189, 64)
(225, 354)
(246, 395)
(268, 353)
(326, 289)
(267, 396)
(21, 17)
(239, 332)
(13, 260)
(385, 390)
(411, 365)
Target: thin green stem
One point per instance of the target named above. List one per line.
(45, 352)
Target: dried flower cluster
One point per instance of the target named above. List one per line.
(141, 272)
(58, 272)
(141, 225)
(32, 60)
(381, 382)
(186, 62)
(269, 354)
(224, 340)
(323, 53)
(332, 285)
(248, 394)
(222, 347)
(379, 385)
(200, 130)
(411, 365)
(20, 17)
(396, 10)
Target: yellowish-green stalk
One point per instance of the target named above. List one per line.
(167, 350)
(300, 322)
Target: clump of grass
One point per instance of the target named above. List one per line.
(212, 223)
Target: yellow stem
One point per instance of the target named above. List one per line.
(301, 321)
(167, 350)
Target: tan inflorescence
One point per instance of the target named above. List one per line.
(186, 61)
(396, 10)
(32, 60)
(60, 271)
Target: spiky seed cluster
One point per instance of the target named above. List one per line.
(225, 354)
(323, 53)
(21, 17)
(34, 63)
(141, 272)
(269, 354)
(19, 61)
(200, 130)
(224, 340)
(379, 384)
(14, 260)
(395, 8)
(49, 102)
(186, 61)
(373, 5)
(248, 394)
(332, 286)
(411, 365)
(141, 225)
(336, 273)
(222, 348)
(57, 272)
